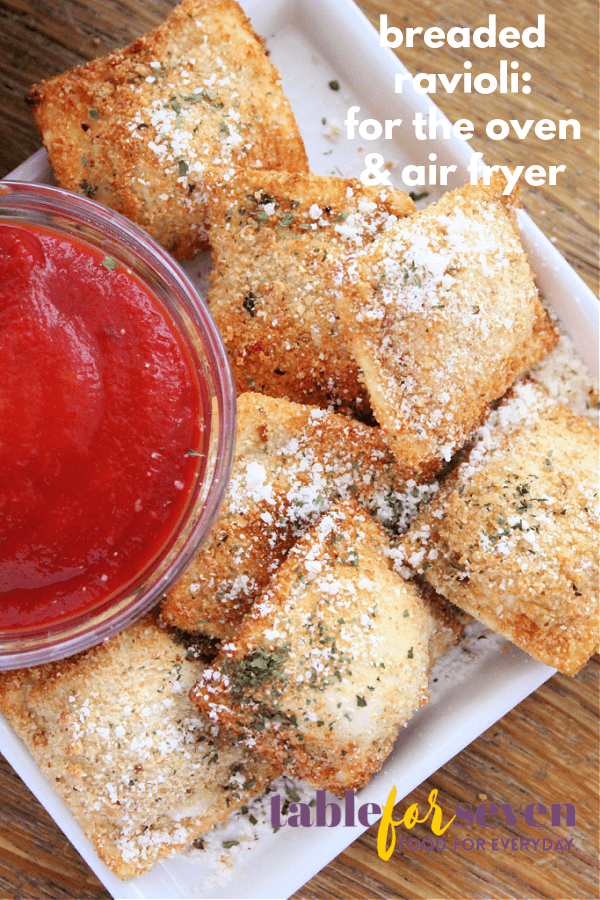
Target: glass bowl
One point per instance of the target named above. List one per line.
(71, 215)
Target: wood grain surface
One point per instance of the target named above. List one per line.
(546, 749)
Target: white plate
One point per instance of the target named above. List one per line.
(311, 43)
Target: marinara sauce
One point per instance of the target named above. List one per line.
(99, 409)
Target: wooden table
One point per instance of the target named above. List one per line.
(545, 750)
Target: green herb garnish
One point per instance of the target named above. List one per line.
(416, 197)
(248, 304)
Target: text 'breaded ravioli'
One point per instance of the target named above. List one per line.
(270, 236)
(115, 733)
(442, 315)
(291, 463)
(330, 661)
(145, 129)
(512, 535)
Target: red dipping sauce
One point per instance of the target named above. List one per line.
(99, 406)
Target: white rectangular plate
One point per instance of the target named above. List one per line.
(312, 43)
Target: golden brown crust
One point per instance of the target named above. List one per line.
(330, 661)
(115, 733)
(203, 82)
(270, 235)
(512, 536)
(291, 462)
(447, 622)
(442, 315)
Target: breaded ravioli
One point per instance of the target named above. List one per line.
(115, 733)
(442, 315)
(271, 234)
(512, 535)
(330, 661)
(291, 463)
(146, 129)
(447, 622)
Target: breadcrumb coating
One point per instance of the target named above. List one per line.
(147, 129)
(442, 315)
(291, 463)
(271, 235)
(512, 535)
(330, 661)
(115, 733)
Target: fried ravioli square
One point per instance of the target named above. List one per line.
(442, 315)
(115, 733)
(291, 463)
(331, 659)
(271, 234)
(512, 535)
(144, 130)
